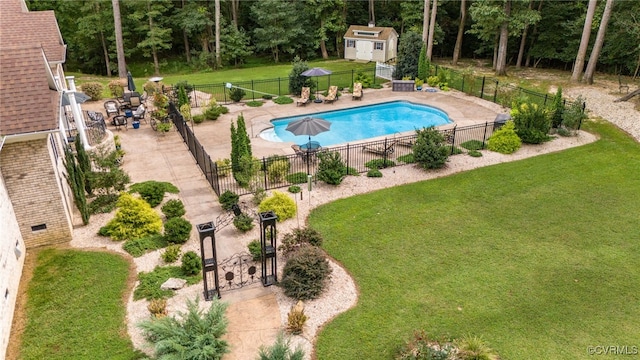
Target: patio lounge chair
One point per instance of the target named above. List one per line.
(357, 91)
(111, 107)
(380, 149)
(139, 114)
(332, 95)
(304, 97)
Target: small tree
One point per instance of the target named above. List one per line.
(572, 117)
(305, 273)
(190, 336)
(532, 123)
(281, 350)
(423, 64)
(183, 99)
(84, 162)
(331, 168)
(430, 151)
(296, 79)
(408, 54)
(76, 181)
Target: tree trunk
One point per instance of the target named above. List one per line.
(217, 15)
(595, 52)
(117, 22)
(425, 22)
(234, 12)
(628, 96)
(154, 52)
(105, 51)
(463, 19)
(501, 63)
(533, 37)
(185, 37)
(323, 45)
(432, 27)
(495, 51)
(523, 41)
(584, 41)
(372, 14)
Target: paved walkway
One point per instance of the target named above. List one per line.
(253, 313)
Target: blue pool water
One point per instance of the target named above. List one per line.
(362, 122)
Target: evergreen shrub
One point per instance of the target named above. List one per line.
(305, 274)
(177, 230)
(227, 199)
(134, 219)
(191, 263)
(243, 222)
(173, 208)
(504, 140)
(281, 204)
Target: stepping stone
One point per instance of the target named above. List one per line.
(173, 284)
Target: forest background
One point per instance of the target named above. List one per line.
(169, 36)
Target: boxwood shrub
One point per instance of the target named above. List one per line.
(177, 230)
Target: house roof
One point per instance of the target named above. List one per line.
(382, 33)
(27, 104)
(19, 27)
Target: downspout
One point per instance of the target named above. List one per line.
(77, 112)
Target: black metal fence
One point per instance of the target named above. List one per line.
(256, 89)
(281, 171)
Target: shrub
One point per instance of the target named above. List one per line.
(163, 127)
(255, 249)
(278, 170)
(475, 153)
(191, 263)
(185, 111)
(236, 94)
(473, 145)
(331, 169)
(116, 87)
(374, 173)
(557, 108)
(134, 219)
(243, 222)
(532, 123)
(504, 140)
(173, 208)
(213, 110)
(198, 119)
(171, 254)
(248, 168)
(194, 335)
(296, 80)
(573, 116)
(294, 189)
(362, 78)
(379, 163)
(259, 194)
(473, 347)
(228, 199)
(429, 150)
(283, 100)
(267, 97)
(177, 230)
(421, 347)
(281, 204)
(297, 178)
(139, 247)
(93, 89)
(223, 166)
(297, 237)
(254, 103)
(103, 204)
(153, 191)
(432, 81)
(280, 350)
(296, 319)
(158, 308)
(305, 274)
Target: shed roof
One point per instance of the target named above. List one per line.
(27, 104)
(382, 32)
(19, 27)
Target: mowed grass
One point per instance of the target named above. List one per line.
(75, 307)
(540, 257)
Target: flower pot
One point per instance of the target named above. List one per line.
(136, 124)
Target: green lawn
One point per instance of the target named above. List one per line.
(75, 307)
(540, 257)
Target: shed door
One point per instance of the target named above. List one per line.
(364, 50)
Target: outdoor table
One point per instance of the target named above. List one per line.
(310, 146)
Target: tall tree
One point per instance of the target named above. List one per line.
(278, 25)
(595, 52)
(523, 40)
(425, 21)
(117, 22)
(501, 60)
(185, 38)
(328, 17)
(158, 36)
(584, 41)
(432, 29)
(463, 19)
(372, 13)
(93, 24)
(195, 19)
(217, 14)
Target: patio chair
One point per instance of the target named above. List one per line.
(140, 113)
(622, 84)
(135, 101)
(111, 107)
(357, 91)
(332, 95)
(380, 149)
(301, 153)
(304, 97)
(119, 120)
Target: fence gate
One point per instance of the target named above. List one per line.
(384, 71)
(237, 271)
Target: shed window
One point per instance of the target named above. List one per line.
(378, 45)
(351, 43)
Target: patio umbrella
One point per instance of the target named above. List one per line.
(308, 126)
(80, 98)
(130, 84)
(316, 72)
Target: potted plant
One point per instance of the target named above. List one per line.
(164, 127)
(419, 83)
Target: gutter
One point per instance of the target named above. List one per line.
(26, 136)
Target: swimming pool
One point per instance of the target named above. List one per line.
(364, 122)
